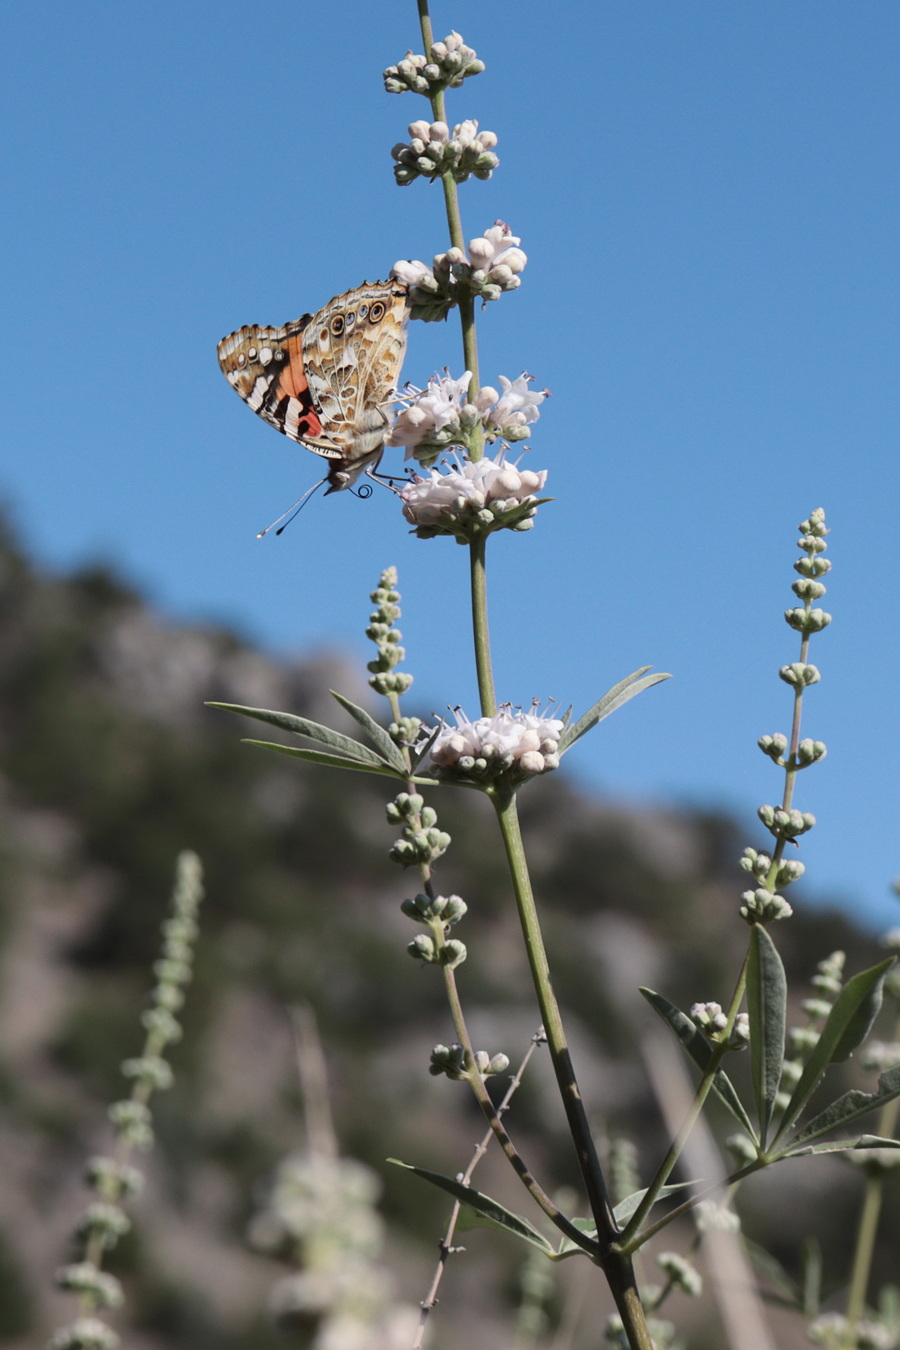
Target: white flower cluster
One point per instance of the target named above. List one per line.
(511, 413)
(522, 744)
(441, 414)
(434, 417)
(472, 499)
(492, 264)
(448, 63)
(434, 150)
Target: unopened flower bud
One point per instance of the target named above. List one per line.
(799, 674)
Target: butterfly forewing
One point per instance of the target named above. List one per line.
(323, 380)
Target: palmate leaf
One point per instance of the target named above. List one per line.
(767, 1004)
(846, 1026)
(375, 732)
(611, 700)
(700, 1051)
(335, 741)
(489, 1212)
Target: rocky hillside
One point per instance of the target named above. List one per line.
(110, 765)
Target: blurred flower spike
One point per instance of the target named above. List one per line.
(469, 500)
(492, 264)
(513, 744)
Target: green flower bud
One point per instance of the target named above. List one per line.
(161, 1021)
(85, 1333)
(807, 589)
(151, 1070)
(423, 948)
(788, 872)
(132, 1123)
(113, 1178)
(816, 1008)
(84, 1278)
(105, 1222)
(762, 906)
(773, 746)
(810, 752)
(807, 621)
(453, 953)
(799, 674)
(803, 1039)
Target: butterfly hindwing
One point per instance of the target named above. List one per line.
(324, 379)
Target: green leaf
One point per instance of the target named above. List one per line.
(302, 726)
(489, 1211)
(625, 1208)
(849, 1107)
(767, 1004)
(787, 1294)
(700, 1051)
(419, 756)
(611, 700)
(322, 757)
(845, 1027)
(376, 733)
(569, 1247)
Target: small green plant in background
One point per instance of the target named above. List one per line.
(466, 487)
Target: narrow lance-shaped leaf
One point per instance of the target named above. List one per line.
(315, 731)
(376, 733)
(850, 1106)
(627, 1207)
(766, 1004)
(700, 1051)
(330, 761)
(611, 700)
(845, 1027)
(489, 1210)
(864, 1142)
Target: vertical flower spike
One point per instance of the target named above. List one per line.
(385, 679)
(113, 1179)
(785, 822)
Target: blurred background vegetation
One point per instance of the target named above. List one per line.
(110, 765)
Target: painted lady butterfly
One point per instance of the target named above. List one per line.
(324, 379)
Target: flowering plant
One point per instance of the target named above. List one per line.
(464, 493)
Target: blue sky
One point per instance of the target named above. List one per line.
(708, 195)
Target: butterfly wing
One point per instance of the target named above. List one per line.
(265, 366)
(352, 352)
(322, 380)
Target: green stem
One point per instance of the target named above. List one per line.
(616, 1264)
(868, 1219)
(493, 1118)
(632, 1237)
(865, 1246)
(480, 630)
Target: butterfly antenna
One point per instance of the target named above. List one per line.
(292, 512)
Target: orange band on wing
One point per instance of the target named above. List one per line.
(292, 383)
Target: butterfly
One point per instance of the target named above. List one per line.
(323, 380)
